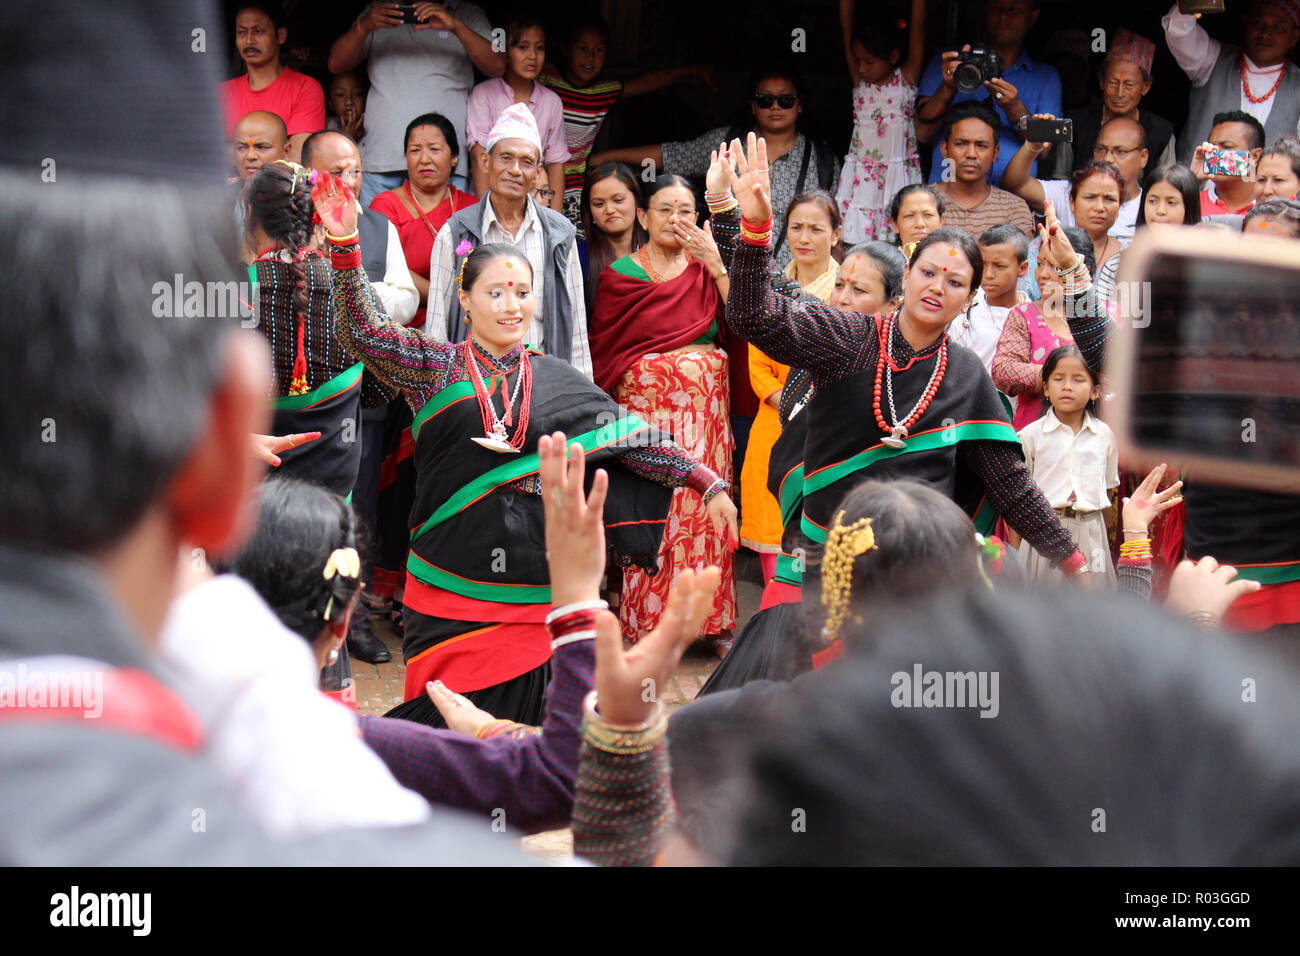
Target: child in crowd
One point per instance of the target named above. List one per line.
(587, 98)
(1006, 259)
(882, 154)
(525, 56)
(347, 104)
(1074, 459)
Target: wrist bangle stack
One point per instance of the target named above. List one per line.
(573, 622)
(623, 738)
(492, 728)
(1206, 619)
(1076, 278)
(720, 202)
(756, 235)
(1135, 552)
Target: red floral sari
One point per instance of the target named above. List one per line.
(642, 334)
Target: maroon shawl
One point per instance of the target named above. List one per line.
(634, 317)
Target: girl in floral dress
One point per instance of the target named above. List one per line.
(882, 156)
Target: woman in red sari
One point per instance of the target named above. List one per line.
(655, 345)
(420, 206)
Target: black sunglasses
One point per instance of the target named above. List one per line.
(786, 100)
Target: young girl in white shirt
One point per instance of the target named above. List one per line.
(1074, 459)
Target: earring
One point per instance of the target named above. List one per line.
(467, 318)
(333, 656)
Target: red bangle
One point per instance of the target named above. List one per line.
(569, 623)
(701, 479)
(1073, 563)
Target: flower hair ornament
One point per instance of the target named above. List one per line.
(843, 545)
(463, 249)
(344, 562)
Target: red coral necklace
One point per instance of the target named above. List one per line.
(885, 368)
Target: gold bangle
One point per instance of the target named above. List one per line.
(344, 240)
(623, 738)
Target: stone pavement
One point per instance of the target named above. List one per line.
(380, 687)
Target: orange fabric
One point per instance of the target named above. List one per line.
(760, 516)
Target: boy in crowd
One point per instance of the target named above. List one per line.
(1006, 262)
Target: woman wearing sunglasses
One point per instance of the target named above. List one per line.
(798, 163)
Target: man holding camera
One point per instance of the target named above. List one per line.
(1000, 72)
(420, 58)
(1258, 78)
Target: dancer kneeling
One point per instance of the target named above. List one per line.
(477, 591)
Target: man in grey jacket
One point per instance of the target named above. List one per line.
(128, 448)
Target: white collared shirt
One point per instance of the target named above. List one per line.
(1072, 469)
(980, 328)
(531, 241)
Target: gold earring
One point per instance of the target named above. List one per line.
(467, 318)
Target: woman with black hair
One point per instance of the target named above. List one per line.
(420, 206)
(1171, 195)
(656, 346)
(934, 411)
(611, 202)
(318, 387)
(798, 163)
(292, 756)
(477, 588)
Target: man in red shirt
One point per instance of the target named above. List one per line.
(267, 85)
(1223, 195)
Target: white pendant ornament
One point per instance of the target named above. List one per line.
(896, 438)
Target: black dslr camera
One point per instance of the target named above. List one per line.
(974, 66)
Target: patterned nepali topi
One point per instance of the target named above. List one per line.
(517, 122)
(1133, 47)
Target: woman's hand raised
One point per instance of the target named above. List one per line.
(335, 205)
(1056, 248)
(753, 186)
(721, 175)
(628, 682)
(1146, 503)
(575, 526)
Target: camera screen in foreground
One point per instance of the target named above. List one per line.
(1218, 367)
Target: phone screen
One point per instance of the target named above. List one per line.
(1217, 368)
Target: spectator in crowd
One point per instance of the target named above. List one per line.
(655, 336)
(507, 214)
(1278, 172)
(1025, 87)
(347, 104)
(882, 156)
(611, 206)
(385, 265)
(420, 206)
(1274, 217)
(915, 212)
(797, 162)
(814, 232)
(266, 85)
(259, 138)
(1121, 143)
(427, 67)
(1125, 80)
(1171, 196)
(525, 55)
(1034, 329)
(588, 97)
(1222, 193)
(970, 149)
(89, 569)
(1006, 260)
(1258, 78)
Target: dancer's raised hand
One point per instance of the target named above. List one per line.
(753, 186)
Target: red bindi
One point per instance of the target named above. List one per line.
(509, 283)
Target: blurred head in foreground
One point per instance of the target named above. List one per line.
(1073, 731)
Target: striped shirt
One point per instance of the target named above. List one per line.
(998, 207)
(585, 108)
